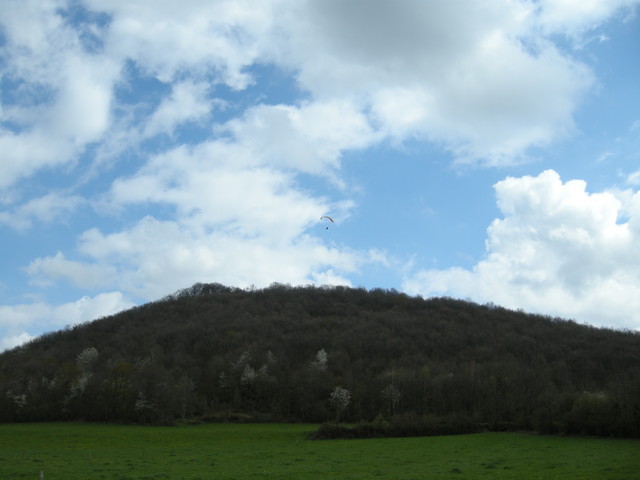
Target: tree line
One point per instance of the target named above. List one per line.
(216, 353)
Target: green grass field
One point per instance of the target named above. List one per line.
(281, 451)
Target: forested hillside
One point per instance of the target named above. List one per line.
(213, 352)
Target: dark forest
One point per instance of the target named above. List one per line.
(215, 353)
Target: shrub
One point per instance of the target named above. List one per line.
(409, 425)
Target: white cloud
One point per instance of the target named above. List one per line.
(309, 138)
(575, 17)
(633, 179)
(81, 112)
(188, 103)
(235, 213)
(90, 308)
(46, 209)
(472, 76)
(504, 101)
(7, 343)
(22, 316)
(17, 321)
(159, 257)
(32, 25)
(558, 250)
(205, 187)
(471, 72)
(63, 98)
(476, 77)
(25, 153)
(44, 271)
(166, 38)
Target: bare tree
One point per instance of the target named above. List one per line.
(392, 395)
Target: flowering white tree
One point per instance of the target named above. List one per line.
(339, 400)
(86, 359)
(320, 360)
(248, 374)
(84, 362)
(242, 361)
(144, 407)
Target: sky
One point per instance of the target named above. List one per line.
(487, 151)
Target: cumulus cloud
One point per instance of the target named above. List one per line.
(166, 38)
(233, 211)
(557, 250)
(204, 187)
(468, 75)
(45, 271)
(475, 77)
(309, 138)
(90, 308)
(158, 257)
(214, 231)
(63, 98)
(83, 100)
(17, 321)
(28, 152)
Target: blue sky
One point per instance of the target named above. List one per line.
(481, 150)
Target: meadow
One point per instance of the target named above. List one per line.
(70, 451)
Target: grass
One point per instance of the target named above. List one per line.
(281, 451)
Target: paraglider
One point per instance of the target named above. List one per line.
(328, 218)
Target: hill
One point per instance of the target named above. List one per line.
(277, 353)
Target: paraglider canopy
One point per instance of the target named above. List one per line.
(328, 218)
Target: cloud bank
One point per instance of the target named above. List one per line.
(557, 250)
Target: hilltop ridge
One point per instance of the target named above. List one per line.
(217, 352)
